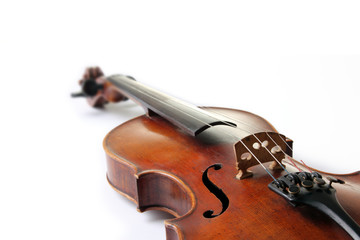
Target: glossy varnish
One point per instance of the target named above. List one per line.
(166, 160)
(160, 166)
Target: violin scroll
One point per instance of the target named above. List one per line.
(97, 90)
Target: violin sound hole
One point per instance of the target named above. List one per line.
(216, 191)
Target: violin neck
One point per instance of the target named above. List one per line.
(186, 116)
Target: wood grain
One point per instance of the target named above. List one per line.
(159, 166)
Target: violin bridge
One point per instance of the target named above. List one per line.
(261, 147)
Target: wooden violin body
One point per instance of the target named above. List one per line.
(161, 166)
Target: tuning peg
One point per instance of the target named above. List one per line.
(78, 94)
(97, 90)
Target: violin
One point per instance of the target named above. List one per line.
(223, 173)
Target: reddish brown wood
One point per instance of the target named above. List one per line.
(159, 166)
(105, 94)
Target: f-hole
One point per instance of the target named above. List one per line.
(216, 191)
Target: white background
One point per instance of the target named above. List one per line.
(296, 63)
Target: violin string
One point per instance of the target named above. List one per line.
(305, 165)
(281, 165)
(255, 128)
(258, 160)
(209, 126)
(293, 163)
(264, 130)
(225, 123)
(225, 133)
(271, 154)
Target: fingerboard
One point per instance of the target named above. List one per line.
(186, 116)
